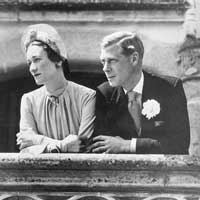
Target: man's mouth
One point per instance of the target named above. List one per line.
(110, 77)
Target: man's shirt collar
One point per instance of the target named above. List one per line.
(139, 87)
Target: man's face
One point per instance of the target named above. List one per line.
(119, 69)
(41, 68)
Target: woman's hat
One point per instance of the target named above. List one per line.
(45, 34)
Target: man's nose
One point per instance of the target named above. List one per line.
(106, 67)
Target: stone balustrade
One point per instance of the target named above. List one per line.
(99, 177)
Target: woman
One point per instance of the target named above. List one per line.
(58, 116)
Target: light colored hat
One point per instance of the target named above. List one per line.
(46, 34)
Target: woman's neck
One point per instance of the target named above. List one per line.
(57, 84)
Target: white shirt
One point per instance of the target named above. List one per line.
(138, 88)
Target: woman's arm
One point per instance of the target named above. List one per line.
(76, 143)
(86, 128)
(29, 135)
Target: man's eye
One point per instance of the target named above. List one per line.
(113, 61)
(102, 62)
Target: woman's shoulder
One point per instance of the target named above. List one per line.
(80, 89)
(35, 94)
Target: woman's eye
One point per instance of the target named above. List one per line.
(36, 60)
(28, 63)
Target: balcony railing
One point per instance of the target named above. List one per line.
(99, 177)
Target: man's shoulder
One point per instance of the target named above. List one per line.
(160, 82)
(163, 80)
(106, 89)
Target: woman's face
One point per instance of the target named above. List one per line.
(41, 68)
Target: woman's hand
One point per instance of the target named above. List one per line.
(71, 143)
(28, 138)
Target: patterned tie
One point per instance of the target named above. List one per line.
(135, 109)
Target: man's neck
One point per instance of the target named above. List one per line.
(132, 83)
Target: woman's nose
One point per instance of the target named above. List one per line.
(32, 67)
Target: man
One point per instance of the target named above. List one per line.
(137, 112)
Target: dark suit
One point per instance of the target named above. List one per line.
(166, 133)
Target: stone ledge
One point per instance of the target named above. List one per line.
(73, 5)
(119, 174)
(98, 162)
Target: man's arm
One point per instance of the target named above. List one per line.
(174, 140)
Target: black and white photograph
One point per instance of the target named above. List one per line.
(100, 100)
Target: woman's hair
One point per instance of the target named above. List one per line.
(55, 57)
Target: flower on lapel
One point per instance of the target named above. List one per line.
(151, 108)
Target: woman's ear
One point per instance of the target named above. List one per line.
(59, 64)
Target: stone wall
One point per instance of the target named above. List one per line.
(82, 24)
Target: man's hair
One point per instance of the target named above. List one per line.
(128, 41)
(55, 57)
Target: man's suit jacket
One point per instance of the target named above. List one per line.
(167, 133)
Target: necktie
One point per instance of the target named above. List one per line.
(135, 110)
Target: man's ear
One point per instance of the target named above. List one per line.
(135, 58)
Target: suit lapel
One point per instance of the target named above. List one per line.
(147, 94)
(121, 99)
(119, 103)
(147, 88)
(125, 118)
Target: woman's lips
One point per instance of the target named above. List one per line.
(36, 75)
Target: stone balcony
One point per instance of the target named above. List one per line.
(99, 177)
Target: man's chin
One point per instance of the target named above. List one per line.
(112, 84)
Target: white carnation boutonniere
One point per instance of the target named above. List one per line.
(151, 108)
